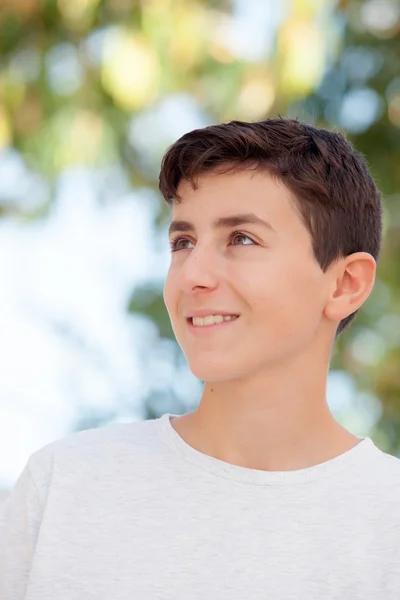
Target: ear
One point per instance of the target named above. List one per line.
(353, 278)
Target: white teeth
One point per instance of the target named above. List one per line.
(212, 319)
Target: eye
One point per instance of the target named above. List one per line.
(179, 242)
(238, 234)
(175, 243)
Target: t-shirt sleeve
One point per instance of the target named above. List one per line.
(20, 519)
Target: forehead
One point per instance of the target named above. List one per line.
(220, 196)
(247, 191)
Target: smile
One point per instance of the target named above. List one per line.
(212, 320)
(215, 325)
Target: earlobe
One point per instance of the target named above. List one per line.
(354, 282)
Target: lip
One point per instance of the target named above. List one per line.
(208, 311)
(205, 330)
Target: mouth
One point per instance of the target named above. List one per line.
(199, 324)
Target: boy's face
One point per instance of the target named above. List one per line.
(269, 278)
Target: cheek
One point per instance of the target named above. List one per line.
(284, 295)
(172, 298)
(168, 293)
(301, 298)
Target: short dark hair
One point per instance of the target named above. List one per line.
(334, 193)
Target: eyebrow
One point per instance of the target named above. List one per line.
(224, 223)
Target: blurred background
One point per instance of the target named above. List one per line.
(92, 92)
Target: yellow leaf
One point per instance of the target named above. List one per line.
(256, 98)
(5, 129)
(394, 109)
(130, 70)
(78, 13)
(302, 49)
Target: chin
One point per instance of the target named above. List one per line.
(214, 371)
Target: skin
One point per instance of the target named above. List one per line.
(265, 375)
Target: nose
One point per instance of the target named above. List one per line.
(199, 270)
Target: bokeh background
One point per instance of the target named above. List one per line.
(92, 92)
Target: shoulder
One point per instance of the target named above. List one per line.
(382, 461)
(379, 474)
(388, 465)
(86, 450)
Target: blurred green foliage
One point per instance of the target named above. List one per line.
(76, 75)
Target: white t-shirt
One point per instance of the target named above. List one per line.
(132, 512)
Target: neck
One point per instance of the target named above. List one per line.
(270, 422)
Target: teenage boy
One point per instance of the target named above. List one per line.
(258, 493)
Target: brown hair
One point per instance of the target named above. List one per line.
(334, 193)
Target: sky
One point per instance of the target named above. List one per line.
(66, 339)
